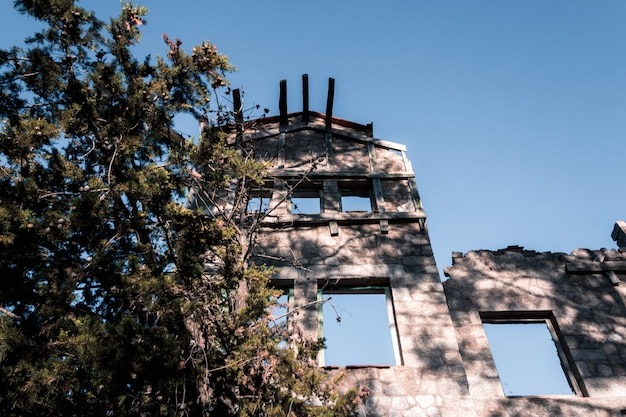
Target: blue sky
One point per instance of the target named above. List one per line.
(527, 359)
(513, 112)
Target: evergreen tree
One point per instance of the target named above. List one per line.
(116, 297)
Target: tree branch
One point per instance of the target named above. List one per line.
(9, 313)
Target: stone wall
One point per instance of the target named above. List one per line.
(576, 291)
(386, 246)
(443, 363)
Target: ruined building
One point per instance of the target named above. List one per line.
(576, 299)
(348, 234)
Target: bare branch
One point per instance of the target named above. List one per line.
(294, 310)
(93, 146)
(111, 164)
(9, 313)
(21, 77)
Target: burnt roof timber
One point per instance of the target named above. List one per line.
(237, 107)
(282, 103)
(305, 97)
(329, 102)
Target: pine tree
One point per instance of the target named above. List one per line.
(116, 297)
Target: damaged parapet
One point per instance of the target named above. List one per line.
(575, 299)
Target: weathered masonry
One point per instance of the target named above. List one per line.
(344, 225)
(576, 299)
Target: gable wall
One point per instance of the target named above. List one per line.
(388, 245)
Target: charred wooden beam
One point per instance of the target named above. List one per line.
(329, 102)
(238, 109)
(282, 102)
(305, 97)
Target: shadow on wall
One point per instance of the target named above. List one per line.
(589, 310)
(315, 252)
(359, 254)
(547, 407)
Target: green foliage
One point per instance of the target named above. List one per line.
(116, 298)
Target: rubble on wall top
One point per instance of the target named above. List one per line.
(581, 253)
(618, 235)
(512, 249)
(519, 261)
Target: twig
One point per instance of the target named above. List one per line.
(9, 313)
(294, 310)
(229, 365)
(93, 146)
(111, 164)
(295, 263)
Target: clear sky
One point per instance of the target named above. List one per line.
(513, 112)
(527, 359)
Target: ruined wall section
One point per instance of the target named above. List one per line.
(386, 245)
(588, 308)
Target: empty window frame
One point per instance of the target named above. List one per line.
(279, 313)
(358, 326)
(356, 196)
(259, 201)
(529, 357)
(280, 309)
(306, 199)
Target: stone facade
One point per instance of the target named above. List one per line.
(580, 293)
(385, 245)
(443, 364)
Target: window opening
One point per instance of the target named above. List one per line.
(529, 358)
(280, 309)
(259, 199)
(279, 312)
(306, 201)
(355, 196)
(353, 203)
(259, 203)
(359, 327)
